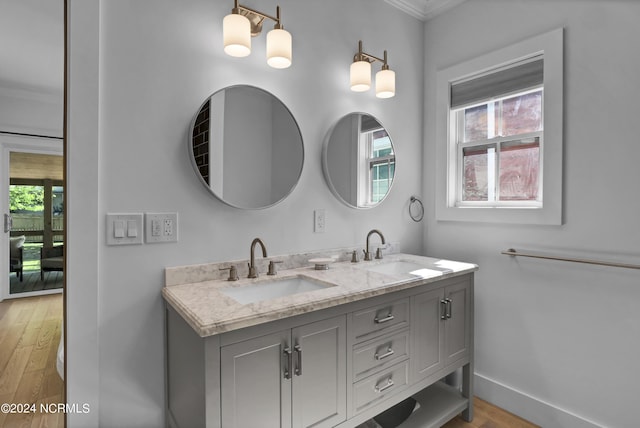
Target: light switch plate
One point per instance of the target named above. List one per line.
(161, 227)
(124, 229)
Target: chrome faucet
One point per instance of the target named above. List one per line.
(367, 255)
(253, 272)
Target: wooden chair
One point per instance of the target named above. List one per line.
(51, 259)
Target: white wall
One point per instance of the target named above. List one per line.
(556, 342)
(30, 112)
(128, 125)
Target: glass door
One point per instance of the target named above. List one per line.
(36, 196)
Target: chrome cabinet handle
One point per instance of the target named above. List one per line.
(389, 317)
(443, 309)
(382, 388)
(448, 304)
(286, 354)
(389, 353)
(298, 370)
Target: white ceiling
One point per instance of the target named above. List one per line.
(424, 9)
(32, 42)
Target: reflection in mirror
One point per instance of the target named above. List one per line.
(246, 147)
(359, 161)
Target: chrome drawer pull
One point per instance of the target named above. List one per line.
(448, 304)
(389, 353)
(286, 353)
(383, 320)
(388, 385)
(298, 370)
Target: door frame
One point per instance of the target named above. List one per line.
(25, 144)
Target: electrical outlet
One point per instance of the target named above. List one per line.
(161, 227)
(319, 221)
(168, 227)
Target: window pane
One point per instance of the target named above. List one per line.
(381, 144)
(480, 122)
(519, 170)
(522, 114)
(479, 173)
(382, 177)
(57, 206)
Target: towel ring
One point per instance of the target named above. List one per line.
(416, 216)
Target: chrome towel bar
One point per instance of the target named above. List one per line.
(512, 252)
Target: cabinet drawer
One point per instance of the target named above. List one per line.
(375, 388)
(379, 353)
(379, 319)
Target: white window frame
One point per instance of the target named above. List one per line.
(549, 210)
(457, 117)
(366, 163)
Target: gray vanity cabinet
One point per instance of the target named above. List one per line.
(441, 323)
(254, 391)
(334, 367)
(457, 322)
(292, 378)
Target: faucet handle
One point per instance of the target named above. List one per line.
(233, 273)
(354, 256)
(379, 253)
(272, 267)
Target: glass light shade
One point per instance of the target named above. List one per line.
(360, 76)
(236, 30)
(279, 48)
(385, 83)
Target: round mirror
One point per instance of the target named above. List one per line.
(246, 147)
(359, 161)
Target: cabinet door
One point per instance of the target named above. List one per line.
(457, 324)
(428, 339)
(319, 373)
(254, 391)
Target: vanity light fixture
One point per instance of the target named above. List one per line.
(361, 74)
(244, 23)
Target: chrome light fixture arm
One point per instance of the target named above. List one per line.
(256, 17)
(363, 56)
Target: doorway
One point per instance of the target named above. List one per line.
(36, 220)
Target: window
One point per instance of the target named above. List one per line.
(381, 165)
(498, 146)
(499, 138)
(378, 163)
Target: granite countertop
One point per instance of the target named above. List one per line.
(209, 311)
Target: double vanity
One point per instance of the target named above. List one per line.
(303, 347)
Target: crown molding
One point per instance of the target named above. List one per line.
(424, 9)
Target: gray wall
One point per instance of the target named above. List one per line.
(552, 338)
(247, 149)
(139, 70)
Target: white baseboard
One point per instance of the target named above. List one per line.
(527, 407)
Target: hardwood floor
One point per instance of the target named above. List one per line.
(30, 331)
(486, 415)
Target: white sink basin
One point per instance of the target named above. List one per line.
(403, 267)
(267, 290)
